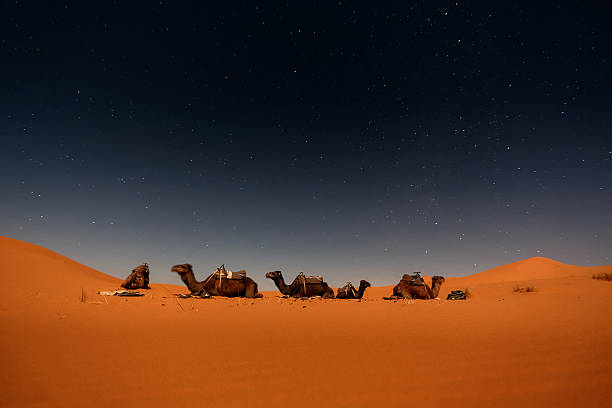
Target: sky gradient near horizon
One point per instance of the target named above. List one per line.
(350, 139)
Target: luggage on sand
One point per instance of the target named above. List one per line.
(456, 295)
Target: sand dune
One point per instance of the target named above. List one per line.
(30, 270)
(500, 348)
(528, 272)
(532, 269)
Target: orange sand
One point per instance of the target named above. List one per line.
(500, 348)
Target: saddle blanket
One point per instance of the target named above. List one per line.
(312, 279)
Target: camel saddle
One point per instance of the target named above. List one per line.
(222, 273)
(348, 288)
(414, 280)
(144, 269)
(310, 279)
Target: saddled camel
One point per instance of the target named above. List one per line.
(411, 288)
(138, 279)
(349, 292)
(215, 285)
(302, 286)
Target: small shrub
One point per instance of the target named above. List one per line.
(468, 292)
(603, 276)
(525, 289)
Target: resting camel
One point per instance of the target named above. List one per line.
(245, 287)
(404, 289)
(138, 279)
(349, 292)
(299, 288)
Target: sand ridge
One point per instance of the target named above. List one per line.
(499, 348)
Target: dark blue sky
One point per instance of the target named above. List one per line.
(349, 139)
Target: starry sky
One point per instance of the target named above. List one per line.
(351, 139)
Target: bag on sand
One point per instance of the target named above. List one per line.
(456, 295)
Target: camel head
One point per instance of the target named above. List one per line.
(437, 279)
(274, 275)
(181, 269)
(364, 283)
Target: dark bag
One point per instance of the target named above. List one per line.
(456, 295)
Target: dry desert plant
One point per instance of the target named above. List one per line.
(468, 292)
(603, 276)
(525, 289)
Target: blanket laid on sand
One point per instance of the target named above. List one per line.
(124, 293)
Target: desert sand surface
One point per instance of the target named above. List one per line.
(552, 347)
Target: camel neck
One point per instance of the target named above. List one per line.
(190, 280)
(435, 290)
(280, 284)
(360, 292)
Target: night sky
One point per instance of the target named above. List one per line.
(356, 140)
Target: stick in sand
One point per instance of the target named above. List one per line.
(179, 303)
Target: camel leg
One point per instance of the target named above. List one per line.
(328, 293)
(398, 293)
(251, 292)
(300, 293)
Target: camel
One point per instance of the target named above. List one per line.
(407, 289)
(301, 287)
(138, 279)
(213, 286)
(349, 292)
